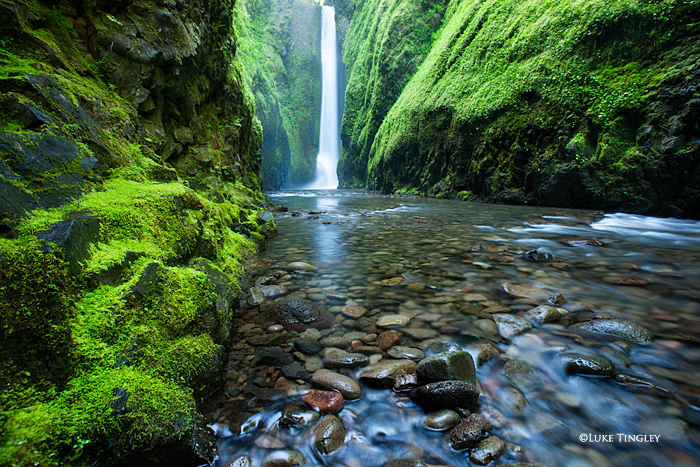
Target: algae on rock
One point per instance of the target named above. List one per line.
(571, 104)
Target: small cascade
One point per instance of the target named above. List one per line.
(329, 133)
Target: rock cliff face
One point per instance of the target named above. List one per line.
(279, 42)
(526, 102)
(129, 202)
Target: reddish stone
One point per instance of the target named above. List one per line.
(324, 401)
(388, 339)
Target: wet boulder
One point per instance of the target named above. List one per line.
(385, 372)
(325, 402)
(543, 314)
(510, 326)
(469, 432)
(348, 387)
(488, 450)
(585, 365)
(446, 366)
(441, 420)
(328, 434)
(446, 395)
(622, 328)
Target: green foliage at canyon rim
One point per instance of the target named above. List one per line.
(582, 104)
(130, 167)
(279, 44)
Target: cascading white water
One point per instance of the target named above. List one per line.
(329, 133)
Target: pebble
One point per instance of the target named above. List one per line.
(469, 432)
(488, 450)
(240, 461)
(401, 352)
(388, 321)
(527, 291)
(354, 311)
(441, 420)
(446, 395)
(283, 458)
(510, 326)
(300, 266)
(384, 373)
(588, 365)
(336, 341)
(325, 402)
(348, 360)
(543, 314)
(348, 387)
(328, 434)
(617, 327)
(454, 365)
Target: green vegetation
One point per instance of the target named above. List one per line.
(386, 42)
(530, 101)
(120, 257)
(278, 42)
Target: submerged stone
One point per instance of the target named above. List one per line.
(469, 432)
(585, 365)
(328, 434)
(623, 328)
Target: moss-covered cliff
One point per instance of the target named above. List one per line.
(279, 45)
(583, 104)
(129, 202)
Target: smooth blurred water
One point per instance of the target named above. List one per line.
(362, 239)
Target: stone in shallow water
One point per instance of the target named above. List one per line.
(240, 461)
(255, 296)
(401, 352)
(521, 373)
(293, 415)
(455, 365)
(336, 341)
(446, 395)
(388, 321)
(384, 373)
(328, 434)
(488, 450)
(441, 420)
(272, 291)
(297, 314)
(354, 311)
(617, 327)
(300, 266)
(469, 432)
(283, 458)
(527, 291)
(585, 365)
(543, 314)
(348, 360)
(348, 387)
(324, 401)
(510, 326)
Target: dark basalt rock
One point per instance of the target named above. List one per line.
(446, 395)
(73, 238)
(585, 365)
(298, 314)
(469, 432)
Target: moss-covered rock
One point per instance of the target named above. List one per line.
(130, 154)
(567, 104)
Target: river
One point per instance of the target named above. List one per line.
(441, 264)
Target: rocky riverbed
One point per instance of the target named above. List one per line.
(396, 332)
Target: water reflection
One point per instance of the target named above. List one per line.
(443, 250)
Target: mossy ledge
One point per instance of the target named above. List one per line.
(590, 104)
(129, 207)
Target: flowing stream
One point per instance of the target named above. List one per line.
(329, 132)
(441, 264)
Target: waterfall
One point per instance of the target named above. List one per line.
(329, 132)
